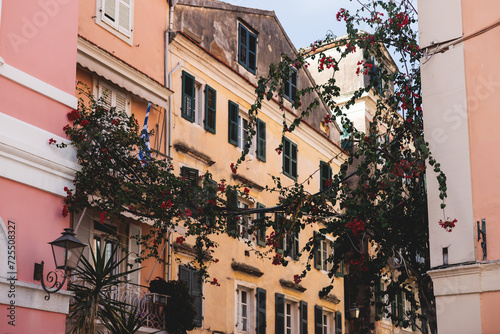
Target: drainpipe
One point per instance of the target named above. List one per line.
(168, 83)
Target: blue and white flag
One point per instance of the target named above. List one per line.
(145, 135)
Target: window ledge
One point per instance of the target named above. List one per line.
(245, 180)
(330, 298)
(190, 250)
(182, 148)
(291, 285)
(247, 269)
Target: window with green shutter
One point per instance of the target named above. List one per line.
(290, 89)
(190, 174)
(188, 96)
(279, 313)
(325, 175)
(232, 205)
(338, 322)
(247, 48)
(260, 319)
(233, 123)
(261, 232)
(192, 279)
(290, 159)
(210, 108)
(303, 317)
(261, 140)
(318, 319)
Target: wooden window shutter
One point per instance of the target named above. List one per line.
(340, 269)
(295, 244)
(294, 160)
(279, 311)
(232, 204)
(210, 108)
(190, 174)
(188, 96)
(325, 175)
(252, 52)
(261, 232)
(279, 233)
(260, 326)
(318, 319)
(303, 317)
(242, 57)
(109, 10)
(125, 16)
(261, 140)
(318, 238)
(338, 322)
(196, 293)
(233, 123)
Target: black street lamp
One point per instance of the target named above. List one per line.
(67, 251)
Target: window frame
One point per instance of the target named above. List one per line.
(210, 109)
(245, 47)
(260, 149)
(116, 94)
(198, 298)
(189, 173)
(289, 87)
(112, 25)
(292, 149)
(325, 175)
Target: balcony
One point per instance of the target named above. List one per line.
(149, 305)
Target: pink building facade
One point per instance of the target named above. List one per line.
(37, 78)
(460, 82)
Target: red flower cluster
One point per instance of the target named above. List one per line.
(360, 260)
(327, 119)
(73, 115)
(65, 211)
(329, 62)
(84, 122)
(115, 121)
(342, 15)
(356, 226)
(165, 205)
(52, 141)
(246, 191)
(277, 259)
(222, 187)
(103, 217)
(297, 279)
(233, 168)
(215, 282)
(448, 224)
(211, 202)
(188, 213)
(180, 240)
(278, 150)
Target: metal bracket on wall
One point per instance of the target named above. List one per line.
(481, 233)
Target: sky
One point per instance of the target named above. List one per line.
(304, 21)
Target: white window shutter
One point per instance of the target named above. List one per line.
(134, 252)
(109, 11)
(124, 16)
(120, 102)
(105, 96)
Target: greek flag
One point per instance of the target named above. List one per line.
(145, 135)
